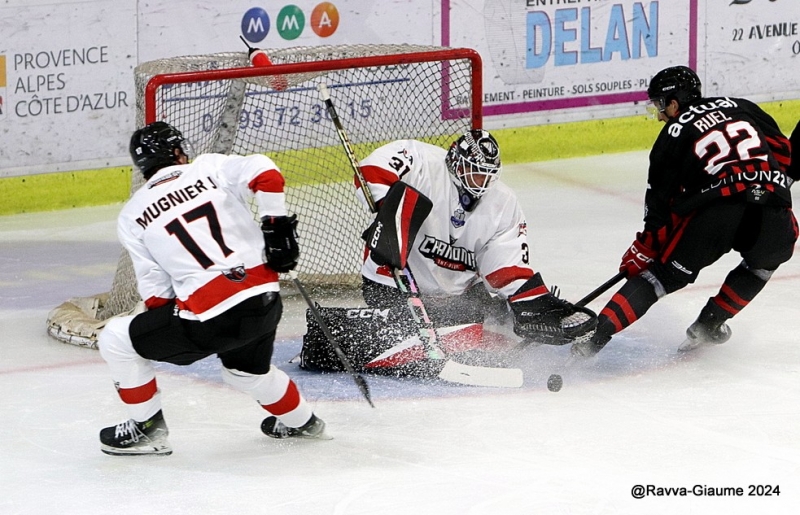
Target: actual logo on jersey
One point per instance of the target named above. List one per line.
(446, 255)
(458, 218)
(523, 229)
(236, 274)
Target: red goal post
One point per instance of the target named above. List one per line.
(222, 104)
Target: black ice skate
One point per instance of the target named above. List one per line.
(699, 335)
(314, 428)
(131, 438)
(708, 329)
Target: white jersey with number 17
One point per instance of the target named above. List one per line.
(192, 237)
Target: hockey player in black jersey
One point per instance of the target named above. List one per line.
(718, 181)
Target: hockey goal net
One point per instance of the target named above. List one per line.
(222, 104)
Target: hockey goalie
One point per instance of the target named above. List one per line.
(443, 215)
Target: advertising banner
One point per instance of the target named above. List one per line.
(752, 48)
(548, 57)
(66, 86)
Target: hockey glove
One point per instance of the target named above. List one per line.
(542, 316)
(280, 239)
(637, 258)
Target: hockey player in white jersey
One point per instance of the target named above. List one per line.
(472, 244)
(198, 256)
(469, 256)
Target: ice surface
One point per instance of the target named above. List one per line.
(724, 417)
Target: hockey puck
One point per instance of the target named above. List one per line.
(554, 383)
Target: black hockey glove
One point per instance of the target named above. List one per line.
(547, 318)
(280, 238)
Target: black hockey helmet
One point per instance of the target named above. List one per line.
(474, 163)
(153, 147)
(679, 83)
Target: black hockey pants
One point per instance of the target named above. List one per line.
(242, 337)
(763, 235)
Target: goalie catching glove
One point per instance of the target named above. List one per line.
(540, 315)
(401, 214)
(280, 239)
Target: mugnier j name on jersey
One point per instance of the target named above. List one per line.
(172, 199)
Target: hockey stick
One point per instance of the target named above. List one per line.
(600, 290)
(452, 371)
(359, 380)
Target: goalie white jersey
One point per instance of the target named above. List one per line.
(189, 234)
(454, 248)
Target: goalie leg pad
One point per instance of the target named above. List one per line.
(361, 333)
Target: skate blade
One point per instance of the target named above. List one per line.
(319, 436)
(158, 449)
(689, 345)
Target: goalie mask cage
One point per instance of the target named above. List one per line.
(222, 104)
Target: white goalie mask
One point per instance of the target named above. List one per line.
(474, 163)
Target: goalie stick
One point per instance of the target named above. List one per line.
(358, 378)
(452, 371)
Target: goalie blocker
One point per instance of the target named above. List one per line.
(400, 215)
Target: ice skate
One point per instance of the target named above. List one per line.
(314, 428)
(131, 438)
(701, 334)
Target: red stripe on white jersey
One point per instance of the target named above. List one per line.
(156, 302)
(221, 288)
(377, 175)
(505, 276)
(269, 181)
